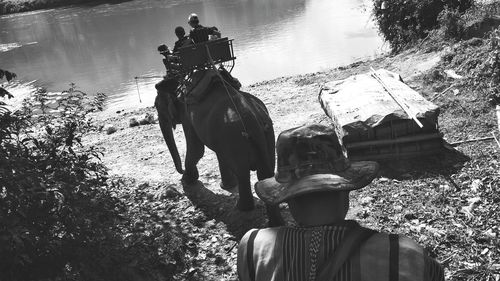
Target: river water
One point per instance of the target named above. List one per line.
(103, 47)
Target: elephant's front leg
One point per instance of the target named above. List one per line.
(228, 178)
(194, 151)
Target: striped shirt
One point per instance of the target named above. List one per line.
(296, 254)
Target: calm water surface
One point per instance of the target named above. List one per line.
(103, 47)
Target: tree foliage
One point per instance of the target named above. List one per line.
(402, 22)
(54, 200)
(4, 93)
(452, 24)
(61, 217)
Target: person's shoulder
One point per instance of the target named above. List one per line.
(247, 235)
(381, 244)
(403, 241)
(413, 259)
(260, 234)
(261, 238)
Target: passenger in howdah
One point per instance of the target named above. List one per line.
(201, 33)
(171, 60)
(314, 177)
(182, 41)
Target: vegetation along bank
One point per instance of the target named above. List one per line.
(17, 6)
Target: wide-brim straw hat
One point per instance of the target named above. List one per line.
(311, 158)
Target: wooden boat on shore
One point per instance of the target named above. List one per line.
(373, 110)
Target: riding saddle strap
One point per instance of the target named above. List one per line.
(354, 238)
(393, 257)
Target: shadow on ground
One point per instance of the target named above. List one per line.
(445, 163)
(223, 208)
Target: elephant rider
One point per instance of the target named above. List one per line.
(171, 58)
(201, 33)
(165, 51)
(182, 41)
(314, 177)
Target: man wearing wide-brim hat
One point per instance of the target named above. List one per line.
(314, 177)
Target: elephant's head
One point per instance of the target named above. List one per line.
(170, 113)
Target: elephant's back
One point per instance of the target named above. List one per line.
(218, 118)
(237, 117)
(256, 103)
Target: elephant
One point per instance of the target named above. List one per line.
(234, 124)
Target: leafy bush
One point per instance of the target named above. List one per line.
(61, 218)
(452, 24)
(53, 193)
(3, 93)
(402, 22)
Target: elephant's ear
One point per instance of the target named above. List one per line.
(167, 96)
(170, 104)
(166, 107)
(167, 85)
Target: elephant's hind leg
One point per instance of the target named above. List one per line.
(245, 200)
(228, 178)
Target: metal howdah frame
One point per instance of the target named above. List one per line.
(207, 54)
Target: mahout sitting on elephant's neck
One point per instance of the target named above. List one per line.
(167, 85)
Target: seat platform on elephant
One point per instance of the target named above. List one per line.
(198, 56)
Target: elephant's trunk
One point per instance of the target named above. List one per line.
(166, 126)
(168, 135)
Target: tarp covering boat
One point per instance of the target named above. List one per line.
(375, 124)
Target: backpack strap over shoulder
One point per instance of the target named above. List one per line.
(250, 263)
(393, 257)
(353, 239)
